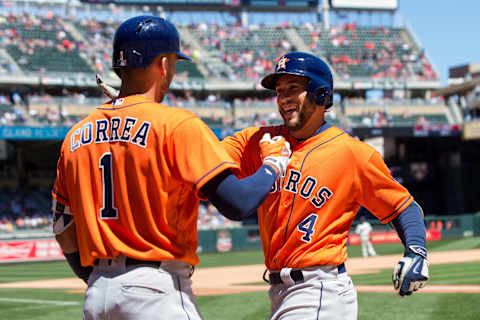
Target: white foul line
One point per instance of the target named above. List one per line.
(58, 303)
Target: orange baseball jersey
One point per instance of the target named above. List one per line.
(307, 216)
(130, 174)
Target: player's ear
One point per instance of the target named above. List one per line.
(163, 64)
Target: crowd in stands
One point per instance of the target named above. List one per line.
(381, 118)
(35, 42)
(42, 109)
(379, 52)
(28, 210)
(247, 51)
(22, 210)
(16, 110)
(98, 35)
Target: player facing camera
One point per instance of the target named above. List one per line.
(305, 221)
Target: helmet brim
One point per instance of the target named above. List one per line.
(270, 80)
(183, 56)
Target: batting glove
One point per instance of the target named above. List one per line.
(275, 152)
(411, 272)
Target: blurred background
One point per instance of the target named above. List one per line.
(388, 92)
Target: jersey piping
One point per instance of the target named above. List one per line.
(401, 206)
(127, 106)
(301, 167)
(59, 195)
(206, 174)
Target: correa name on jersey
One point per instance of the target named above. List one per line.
(305, 190)
(116, 129)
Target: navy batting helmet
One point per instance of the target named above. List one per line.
(320, 87)
(139, 40)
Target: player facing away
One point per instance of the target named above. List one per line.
(305, 220)
(128, 182)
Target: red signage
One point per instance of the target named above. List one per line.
(26, 250)
(390, 237)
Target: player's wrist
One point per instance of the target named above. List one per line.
(273, 167)
(415, 250)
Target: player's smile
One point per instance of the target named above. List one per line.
(289, 112)
(291, 92)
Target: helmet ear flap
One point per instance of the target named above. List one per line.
(320, 96)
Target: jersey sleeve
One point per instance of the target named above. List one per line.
(199, 155)
(59, 191)
(241, 150)
(235, 147)
(61, 214)
(381, 194)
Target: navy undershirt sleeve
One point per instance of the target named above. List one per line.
(237, 199)
(410, 226)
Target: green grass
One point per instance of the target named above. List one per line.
(419, 306)
(34, 271)
(251, 306)
(242, 306)
(447, 274)
(49, 304)
(432, 246)
(457, 244)
(437, 306)
(40, 304)
(381, 249)
(235, 258)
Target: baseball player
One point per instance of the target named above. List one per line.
(129, 177)
(363, 229)
(305, 220)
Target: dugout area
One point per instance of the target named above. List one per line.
(441, 172)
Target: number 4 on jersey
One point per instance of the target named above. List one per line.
(307, 227)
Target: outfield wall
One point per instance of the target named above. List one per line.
(247, 238)
(38, 248)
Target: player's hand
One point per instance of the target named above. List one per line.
(275, 152)
(106, 89)
(411, 272)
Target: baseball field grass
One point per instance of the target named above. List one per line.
(56, 304)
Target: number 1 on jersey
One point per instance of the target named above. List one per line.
(108, 210)
(306, 226)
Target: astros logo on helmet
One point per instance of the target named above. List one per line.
(282, 62)
(320, 87)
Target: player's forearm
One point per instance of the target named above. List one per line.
(67, 240)
(237, 199)
(410, 226)
(73, 260)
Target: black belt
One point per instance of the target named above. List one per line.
(134, 262)
(296, 275)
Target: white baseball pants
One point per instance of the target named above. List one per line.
(120, 292)
(324, 294)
